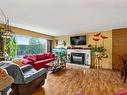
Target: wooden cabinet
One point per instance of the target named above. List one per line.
(119, 46)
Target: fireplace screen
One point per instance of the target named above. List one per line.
(78, 58)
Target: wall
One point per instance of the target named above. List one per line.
(107, 63)
(31, 33)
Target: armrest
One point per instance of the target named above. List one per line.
(14, 71)
(26, 68)
(43, 71)
(33, 74)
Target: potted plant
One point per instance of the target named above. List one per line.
(11, 47)
(98, 50)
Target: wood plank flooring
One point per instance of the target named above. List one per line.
(74, 80)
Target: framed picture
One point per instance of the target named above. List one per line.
(60, 42)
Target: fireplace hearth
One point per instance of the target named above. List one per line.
(78, 58)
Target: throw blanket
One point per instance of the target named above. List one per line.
(13, 70)
(5, 79)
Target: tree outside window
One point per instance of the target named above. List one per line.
(30, 45)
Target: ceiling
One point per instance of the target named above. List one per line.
(62, 17)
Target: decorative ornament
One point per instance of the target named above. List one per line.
(103, 37)
(96, 39)
(97, 34)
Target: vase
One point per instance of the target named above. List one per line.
(98, 59)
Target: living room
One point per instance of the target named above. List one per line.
(63, 47)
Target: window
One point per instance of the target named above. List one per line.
(30, 45)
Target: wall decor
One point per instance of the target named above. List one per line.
(60, 43)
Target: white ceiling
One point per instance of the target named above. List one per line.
(62, 17)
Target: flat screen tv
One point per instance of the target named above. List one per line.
(78, 40)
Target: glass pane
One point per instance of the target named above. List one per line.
(30, 45)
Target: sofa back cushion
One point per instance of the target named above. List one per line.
(25, 57)
(49, 55)
(32, 58)
(26, 61)
(40, 57)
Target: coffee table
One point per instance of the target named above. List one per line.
(54, 67)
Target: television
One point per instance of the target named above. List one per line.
(78, 40)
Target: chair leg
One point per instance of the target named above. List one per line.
(14, 90)
(125, 79)
(41, 83)
(125, 74)
(122, 74)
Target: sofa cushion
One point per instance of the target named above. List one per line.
(49, 55)
(25, 57)
(44, 61)
(51, 59)
(26, 61)
(40, 57)
(32, 58)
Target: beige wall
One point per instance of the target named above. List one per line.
(31, 33)
(107, 63)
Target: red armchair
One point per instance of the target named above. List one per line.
(38, 61)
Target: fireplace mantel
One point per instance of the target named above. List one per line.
(87, 52)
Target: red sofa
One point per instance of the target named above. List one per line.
(38, 61)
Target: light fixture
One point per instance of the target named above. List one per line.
(5, 29)
(6, 35)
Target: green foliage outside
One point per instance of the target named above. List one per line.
(11, 47)
(35, 46)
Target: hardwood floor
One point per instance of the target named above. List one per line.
(75, 80)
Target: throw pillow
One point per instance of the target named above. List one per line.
(26, 61)
(32, 58)
(18, 61)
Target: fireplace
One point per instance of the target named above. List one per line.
(78, 58)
